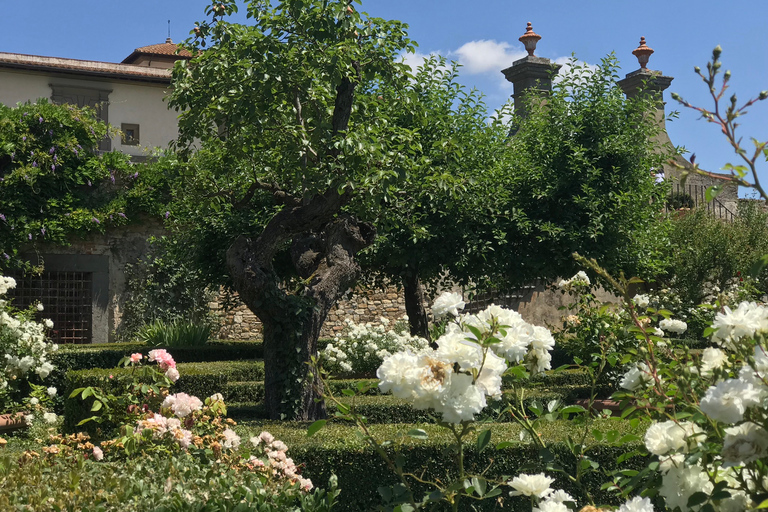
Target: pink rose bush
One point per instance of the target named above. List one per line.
(272, 460)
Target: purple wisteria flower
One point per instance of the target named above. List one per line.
(25, 114)
(135, 175)
(97, 221)
(89, 183)
(40, 119)
(2, 217)
(122, 215)
(52, 150)
(24, 138)
(42, 231)
(167, 214)
(53, 167)
(5, 254)
(50, 132)
(34, 164)
(29, 236)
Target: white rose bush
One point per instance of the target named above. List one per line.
(24, 358)
(456, 382)
(708, 437)
(359, 349)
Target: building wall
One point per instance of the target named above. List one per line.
(129, 102)
(17, 87)
(119, 248)
(143, 105)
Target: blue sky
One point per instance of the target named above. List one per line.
(482, 35)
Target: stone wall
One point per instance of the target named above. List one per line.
(364, 305)
(538, 304)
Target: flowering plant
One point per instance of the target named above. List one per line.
(359, 349)
(25, 356)
(455, 381)
(708, 436)
(144, 390)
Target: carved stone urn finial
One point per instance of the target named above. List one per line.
(529, 39)
(643, 53)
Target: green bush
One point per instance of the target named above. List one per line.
(108, 355)
(337, 450)
(171, 484)
(162, 286)
(706, 250)
(199, 379)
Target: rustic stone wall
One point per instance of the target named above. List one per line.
(538, 304)
(364, 305)
(120, 247)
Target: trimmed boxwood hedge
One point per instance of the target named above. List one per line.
(337, 449)
(199, 379)
(108, 355)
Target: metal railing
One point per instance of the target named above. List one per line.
(698, 199)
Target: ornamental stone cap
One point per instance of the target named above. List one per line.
(643, 53)
(529, 39)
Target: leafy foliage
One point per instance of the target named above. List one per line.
(162, 287)
(54, 183)
(581, 180)
(707, 252)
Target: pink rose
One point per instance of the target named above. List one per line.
(135, 358)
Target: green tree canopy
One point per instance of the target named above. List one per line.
(291, 128)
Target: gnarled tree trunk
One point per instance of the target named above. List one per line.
(322, 251)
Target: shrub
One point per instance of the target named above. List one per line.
(708, 252)
(24, 356)
(176, 333)
(360, 348)
(162, 287)
(181, 483)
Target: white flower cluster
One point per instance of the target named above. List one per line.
(673, 325)
(743, 322)
(447, 304)
(23, 347)
(276, 460)
(455, 379)
(6, 283)
(360, 348)
(182, 404)
(581, 278)
(538, 488)
(642, 300)
(637, 377)
(162, 427)
(738, 401)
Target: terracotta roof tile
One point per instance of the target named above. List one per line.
(167, 48)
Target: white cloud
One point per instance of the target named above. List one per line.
(485, 56)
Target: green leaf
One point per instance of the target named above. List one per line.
(96, 406)
(480, 485)
(417, 433)
(315, 427)
(348, 392)
(697, 498)
(483, 438)
(505, 444)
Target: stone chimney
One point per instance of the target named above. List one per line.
(530, 72)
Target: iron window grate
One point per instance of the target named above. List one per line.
(67, 299)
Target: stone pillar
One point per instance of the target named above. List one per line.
(530, 72)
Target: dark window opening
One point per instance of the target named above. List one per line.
(66, 298)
